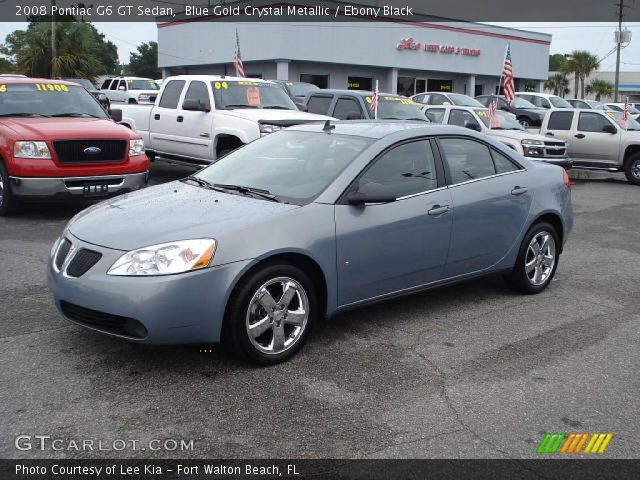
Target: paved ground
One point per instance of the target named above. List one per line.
(467, 371)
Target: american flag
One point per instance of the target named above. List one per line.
(507, 72)
(492, 110)
(374, 101)
(237, 59)
(625, 112)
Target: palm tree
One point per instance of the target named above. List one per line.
(557, 83)
(570, 68)
(600, 88)
(584, 64)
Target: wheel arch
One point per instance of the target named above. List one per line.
(295, 258)
(630, 151)
(555, 220)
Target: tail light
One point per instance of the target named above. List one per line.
(565, 178)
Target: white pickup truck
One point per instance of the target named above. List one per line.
(597, 140)
(197, 119)
(505, 129)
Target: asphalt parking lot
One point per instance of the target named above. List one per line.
(468, 371)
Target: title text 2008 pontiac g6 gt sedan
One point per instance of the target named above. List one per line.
(304, 223)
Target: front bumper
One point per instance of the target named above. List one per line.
(78, 186)
(186, 308)
(563, 162)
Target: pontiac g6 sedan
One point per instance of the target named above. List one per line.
(303, 224)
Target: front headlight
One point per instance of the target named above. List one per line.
(533, 148)
(31, 150)
(166, 258)
(265, 128)
(532, 142)
(136, 147)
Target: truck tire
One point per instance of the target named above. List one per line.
(524, 121)
(132, 101)
(632, 169)
(8, 203)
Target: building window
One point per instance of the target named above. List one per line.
(320, 81)
(360, 83)
(479, 90)
(254, 75)
(406, 86)
(440, 85)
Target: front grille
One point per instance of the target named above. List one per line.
(555, 149)
(73, 151)
(82, 261)
(103, 321)
(61, 254)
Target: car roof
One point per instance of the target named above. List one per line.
(336, 91)
(538, 94)
(27, 80)
(378, 129)
(208, 78)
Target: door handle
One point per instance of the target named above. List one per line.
(438, 210)
(517, 190)
(156, 116)
(549, 134)
(180, 118)
(580, 135)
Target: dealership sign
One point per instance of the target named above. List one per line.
(409, 44)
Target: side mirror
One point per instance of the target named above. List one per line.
(116, 115)
(608, 128)
(302, 107)
(473, 126)
(194, 105)
(371, 193)
(354, 116)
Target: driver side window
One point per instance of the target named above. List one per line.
(462, 118)
(592, 122)
(407, 169)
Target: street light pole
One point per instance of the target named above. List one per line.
(618, 41)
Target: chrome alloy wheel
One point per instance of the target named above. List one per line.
(1, 189)
(635, 169)
(540, 258)
(277, 315)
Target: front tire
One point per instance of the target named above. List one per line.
(271, 313)
(8, 202)
(537, 260)
(524, 122)
(632, 169)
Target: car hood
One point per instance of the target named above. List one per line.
(169, 212)
(519, 135)
(65, 128)
(256, 114)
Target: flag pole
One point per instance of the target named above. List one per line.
(375, 113)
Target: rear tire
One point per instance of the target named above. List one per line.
(270, 314)
(8, 202)
(524, 122)
(537, 260)
(632, 169)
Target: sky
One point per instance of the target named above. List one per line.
(594, 37)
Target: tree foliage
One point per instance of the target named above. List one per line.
(581, 64)
(558, 84)
(556, 61)
(81, 51)
(600, 88)
(144, 62)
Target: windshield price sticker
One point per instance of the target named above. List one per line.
(50, 87)
(219, 85)
(253, 96)
(482, 113)
(368, 99)
(3, 88)
(404, 101)
(254, 84)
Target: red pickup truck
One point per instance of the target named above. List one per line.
(56, 141)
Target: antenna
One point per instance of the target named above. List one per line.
(327, 126)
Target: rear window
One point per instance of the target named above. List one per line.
(560, 121)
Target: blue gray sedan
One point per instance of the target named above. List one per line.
(305, 223)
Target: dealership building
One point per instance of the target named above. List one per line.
(404, 57)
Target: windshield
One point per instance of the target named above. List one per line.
(142, 85)
(47, 100)
(518, 102)
(464, 100)
(632, 125)
(505, 120)
(82, 81)
(396, 108)
(559, 102)
(230, 94)
(294, 166)
(300, 89)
